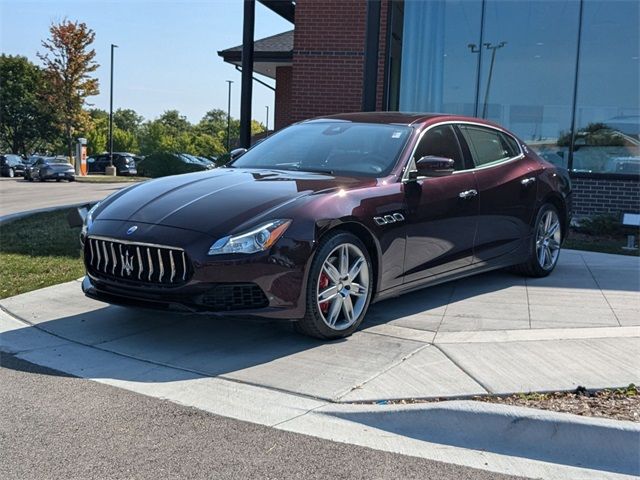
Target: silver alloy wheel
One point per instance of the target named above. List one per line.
(12, 173)
(548, 239)
(344, 294)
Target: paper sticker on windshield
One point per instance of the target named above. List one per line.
(396, 134)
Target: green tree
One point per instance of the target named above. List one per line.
(124, 141)
(97, 136)
(69, 61)
(174, 123)
(26, 121)
(127, 120)
(214, 123)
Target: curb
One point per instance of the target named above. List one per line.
(500, 438)
(16, 216)
(560, 438)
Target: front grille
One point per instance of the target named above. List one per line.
(136, 262)
(235, 296)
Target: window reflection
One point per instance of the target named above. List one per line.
(438, 72)
(518, 68)
(531, 89)
(607, 137)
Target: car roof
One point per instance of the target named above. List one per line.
(399, 118)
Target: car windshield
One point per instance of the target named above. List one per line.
(335, 147)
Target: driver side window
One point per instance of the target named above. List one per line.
(440, 141)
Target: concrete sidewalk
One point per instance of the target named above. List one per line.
(495, 333)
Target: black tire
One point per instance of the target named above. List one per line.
(532, 267)
(72, 179)
(30, 179)
(312, 324)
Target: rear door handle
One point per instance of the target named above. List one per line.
(468, 194)
(528, 181)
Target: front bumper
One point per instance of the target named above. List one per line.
(268, 284)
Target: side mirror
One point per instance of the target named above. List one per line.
(432, 166)
(235, 153)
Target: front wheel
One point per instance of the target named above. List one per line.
(339, 288)
(12, 173)
(546, 243)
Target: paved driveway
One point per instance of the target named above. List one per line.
(18, 195)
(494, 333)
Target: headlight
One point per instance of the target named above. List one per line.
(88, 220)
(257, 240)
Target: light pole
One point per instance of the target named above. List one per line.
(113, 47)
(229, 116)
(494, 49)
(267, 125)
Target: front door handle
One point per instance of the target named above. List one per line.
(528, 181)
(468, 194)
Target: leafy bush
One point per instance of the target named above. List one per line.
(165, 164)
(601, 225)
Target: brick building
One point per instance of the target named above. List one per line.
(562, 74)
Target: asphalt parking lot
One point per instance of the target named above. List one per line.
(18, 195)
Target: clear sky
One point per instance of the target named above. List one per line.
(167, 56)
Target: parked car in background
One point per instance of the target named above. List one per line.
(11, 165)
(52, 168)
(164, 164)
(326, 216)
(628, 165)
(124, 162)
(197, 160)
(28, 164)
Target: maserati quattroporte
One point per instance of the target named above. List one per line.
(328, 215)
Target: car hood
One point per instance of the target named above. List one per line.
(218, 202)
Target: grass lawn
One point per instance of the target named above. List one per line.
(105, 179)
(38, 251)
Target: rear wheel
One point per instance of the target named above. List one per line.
(339, 288)
(546, 243)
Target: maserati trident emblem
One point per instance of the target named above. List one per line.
(132, 229)
(127, 262)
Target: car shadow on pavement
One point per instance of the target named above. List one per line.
(564, 442)
(191, 346)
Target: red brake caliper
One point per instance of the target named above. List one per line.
(323, 284)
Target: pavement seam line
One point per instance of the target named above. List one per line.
(600, 288)
(446, 307)
(526, 290)
(627, 332)
(295, 417)
(482, 384)
(385, 370)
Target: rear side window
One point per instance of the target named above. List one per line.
(489, 146)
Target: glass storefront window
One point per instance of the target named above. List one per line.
(518, 68)
(607, 136)
(528, 71)
(439, 72)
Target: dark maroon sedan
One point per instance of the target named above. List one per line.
(328, 215)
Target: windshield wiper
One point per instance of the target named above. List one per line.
(316, 170)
